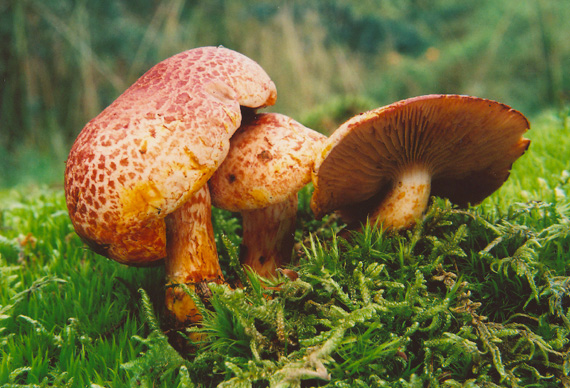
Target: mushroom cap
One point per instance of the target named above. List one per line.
(270, 158)
(467, 144)
(155, 145)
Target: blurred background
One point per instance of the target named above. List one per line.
(63, 61)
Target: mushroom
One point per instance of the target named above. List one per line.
(270, 160)
(135, 179)
(385, 163)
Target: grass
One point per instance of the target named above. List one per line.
(476, 297)
(66, 317)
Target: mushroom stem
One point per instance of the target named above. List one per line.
(406, 201)
(269, 236)
(192, 258)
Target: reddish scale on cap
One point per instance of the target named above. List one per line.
(154, 146)
(271, 158)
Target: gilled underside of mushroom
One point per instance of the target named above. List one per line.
(384, 164)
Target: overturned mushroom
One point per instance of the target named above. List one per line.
(270, 160)
(135, 179)
(384, 164)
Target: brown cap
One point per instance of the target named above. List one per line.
(157, 144)
(466, 145)
(270, 159)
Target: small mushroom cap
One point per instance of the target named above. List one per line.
(155, 145)
(270, 158)
(467, 144)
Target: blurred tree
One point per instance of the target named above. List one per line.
(62, 61)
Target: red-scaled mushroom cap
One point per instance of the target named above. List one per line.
(463, 146)
(156, 145)
(270, 159)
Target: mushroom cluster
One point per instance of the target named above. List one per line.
(135, 179)
(142, 176)
(385, 164)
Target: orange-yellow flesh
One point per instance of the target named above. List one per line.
(192, 255)
(406, 202)
(269, 236)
